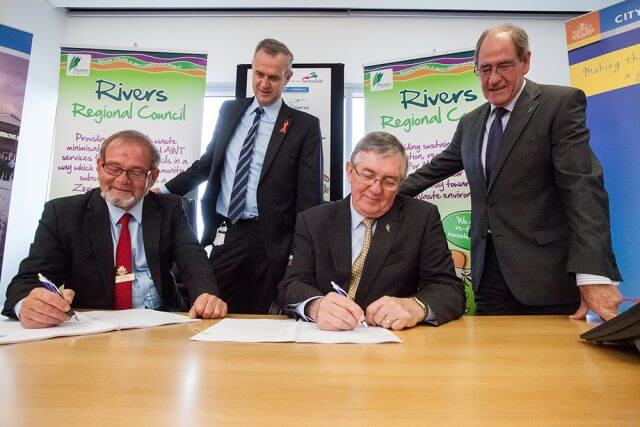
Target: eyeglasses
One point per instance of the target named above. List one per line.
(500, 69)
(134, 174)
(368, 178)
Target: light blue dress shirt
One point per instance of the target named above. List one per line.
(232, 154)
(144, 293)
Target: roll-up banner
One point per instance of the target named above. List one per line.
(103, 91)
(420, 101)
(15, 51)
(604, 61)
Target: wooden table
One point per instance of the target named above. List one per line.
(473, 371)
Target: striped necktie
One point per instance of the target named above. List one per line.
(358, 265)
(241, 180)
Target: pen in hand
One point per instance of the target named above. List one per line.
(342, 292)
(50, 286)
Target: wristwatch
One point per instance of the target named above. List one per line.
(423, 307)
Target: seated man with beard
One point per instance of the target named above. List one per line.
(114, 247)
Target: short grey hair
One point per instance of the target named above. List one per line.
(274, 47)
(384, 144)
(135, 137)
(517, 34)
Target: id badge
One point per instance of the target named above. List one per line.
(221, 233)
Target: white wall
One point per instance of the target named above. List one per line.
(36, 133)
(354, 40)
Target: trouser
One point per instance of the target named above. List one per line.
(242, 270)
(493, 296)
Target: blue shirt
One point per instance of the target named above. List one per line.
(144, 293)
(232, 154)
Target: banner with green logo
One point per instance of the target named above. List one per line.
(420, 101)
(103, 91)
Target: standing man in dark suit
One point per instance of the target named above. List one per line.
(262, 167)
(539, 210)
(387, 251)
(114, 246)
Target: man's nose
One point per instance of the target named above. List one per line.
(123, 178)
(376, 187)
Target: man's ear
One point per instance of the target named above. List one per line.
(154, 176)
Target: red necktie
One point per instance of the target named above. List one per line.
(122, 300)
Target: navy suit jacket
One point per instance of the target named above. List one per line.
(290, 180)
(408, 257)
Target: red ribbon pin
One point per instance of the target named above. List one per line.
(283, 129)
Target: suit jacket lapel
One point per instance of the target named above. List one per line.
(387, 227)
(520, 116)
(477, 133)
(100, 234)
(226, 133)
(151, 230)
(339, 234)
(283, 125)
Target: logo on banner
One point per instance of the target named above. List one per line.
(78, 64)
(583, 31)
(312, 77)
(382, 80)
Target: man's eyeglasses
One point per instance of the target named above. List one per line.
(368, 178)
(134, 174)
(500, 69)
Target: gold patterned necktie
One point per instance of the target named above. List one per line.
(358, 265)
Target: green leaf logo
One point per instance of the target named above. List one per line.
(376, 78)
(75, 60)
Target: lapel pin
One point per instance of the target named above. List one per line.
(285, 125)
(530, 109)
(388, 227)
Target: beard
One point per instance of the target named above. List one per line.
(124, 203)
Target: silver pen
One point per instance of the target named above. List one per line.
(342, 292)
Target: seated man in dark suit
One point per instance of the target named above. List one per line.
(387, 251)
(114, 246)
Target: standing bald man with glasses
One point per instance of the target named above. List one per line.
(114, 247)
(374, 256)
(539, 210)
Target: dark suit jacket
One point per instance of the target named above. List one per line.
(73, 245)
(408, 257)
(545, 204)
(290, 181)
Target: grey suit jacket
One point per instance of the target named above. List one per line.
(408, 257)
(73, 245)
(290, 180)
(545, 204)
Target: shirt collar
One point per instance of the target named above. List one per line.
(270, 111)
(356, 217)
(512, 103)
(116, 213)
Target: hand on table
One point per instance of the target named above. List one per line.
(208, 306)
(394, 313)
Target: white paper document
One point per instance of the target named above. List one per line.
(271, 330)
(90, 322)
